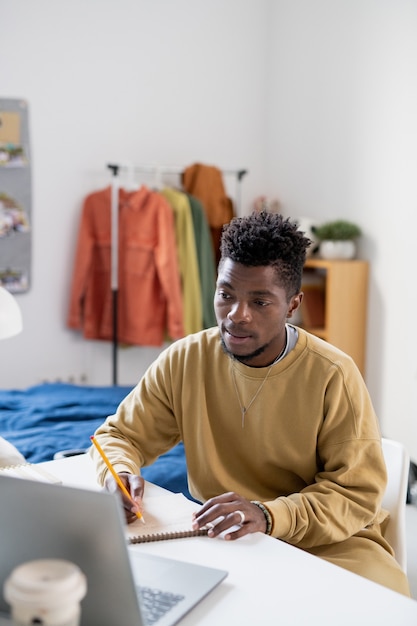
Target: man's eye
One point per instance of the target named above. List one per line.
(261, 303)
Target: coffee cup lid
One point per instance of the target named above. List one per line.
(51, 581)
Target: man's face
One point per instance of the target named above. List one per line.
(251, 310)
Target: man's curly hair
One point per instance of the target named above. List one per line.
(267, 239)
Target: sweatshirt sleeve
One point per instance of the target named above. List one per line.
(142, 429)
(350, 482)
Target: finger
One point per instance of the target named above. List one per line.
(136, 487)
(130, 516)
(248, 518)
(216, 523)
(240, 532)
(214, 515)
(130, 507)
(224, 498)
(111, 486)
(231, 521)
(221, 505)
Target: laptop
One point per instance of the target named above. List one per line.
(42, 520)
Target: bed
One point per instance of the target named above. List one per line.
(50, 418)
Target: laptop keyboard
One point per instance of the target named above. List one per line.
(155, 603)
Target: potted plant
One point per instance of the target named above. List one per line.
(337, 239)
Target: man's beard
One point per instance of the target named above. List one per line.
(242, 357)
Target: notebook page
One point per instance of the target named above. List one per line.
(164, 514)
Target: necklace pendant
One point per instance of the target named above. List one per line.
(245, 409)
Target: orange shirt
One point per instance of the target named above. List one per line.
(205, 182)
(149, 290)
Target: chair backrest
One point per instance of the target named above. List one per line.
(398, 464)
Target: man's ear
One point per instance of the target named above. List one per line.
(294, 304)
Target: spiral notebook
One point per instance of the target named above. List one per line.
(166, 517)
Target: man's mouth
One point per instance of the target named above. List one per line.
(237, 336)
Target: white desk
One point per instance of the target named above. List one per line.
(269, 582)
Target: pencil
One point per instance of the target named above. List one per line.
(115, 476)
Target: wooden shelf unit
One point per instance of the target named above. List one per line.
(335, 304)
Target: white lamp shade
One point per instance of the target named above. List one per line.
(10, 315)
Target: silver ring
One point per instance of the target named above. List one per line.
(242, 517)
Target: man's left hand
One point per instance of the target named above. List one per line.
(230, 510)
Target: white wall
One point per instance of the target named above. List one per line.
(342, 143)
(317, 98)
(147, 82)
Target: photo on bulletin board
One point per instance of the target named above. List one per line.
(15, 196)
(12, 152)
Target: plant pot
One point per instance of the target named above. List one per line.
(337, 249)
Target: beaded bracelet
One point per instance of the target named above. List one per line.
(267, 514)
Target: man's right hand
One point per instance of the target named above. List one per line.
(135, 486)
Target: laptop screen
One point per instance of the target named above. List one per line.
(39, 520)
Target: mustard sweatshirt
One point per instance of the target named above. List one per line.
(309, 447)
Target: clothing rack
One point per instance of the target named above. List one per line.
(157, 170)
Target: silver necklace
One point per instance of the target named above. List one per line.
(245, 409)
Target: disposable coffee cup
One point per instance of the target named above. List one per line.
(46, 592)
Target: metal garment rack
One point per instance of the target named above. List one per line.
(116, 169)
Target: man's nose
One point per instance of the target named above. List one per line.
(239, 313)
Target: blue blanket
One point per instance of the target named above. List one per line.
(53, 417)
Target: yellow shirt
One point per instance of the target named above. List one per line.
(187, 260)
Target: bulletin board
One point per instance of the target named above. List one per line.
(15, 196)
